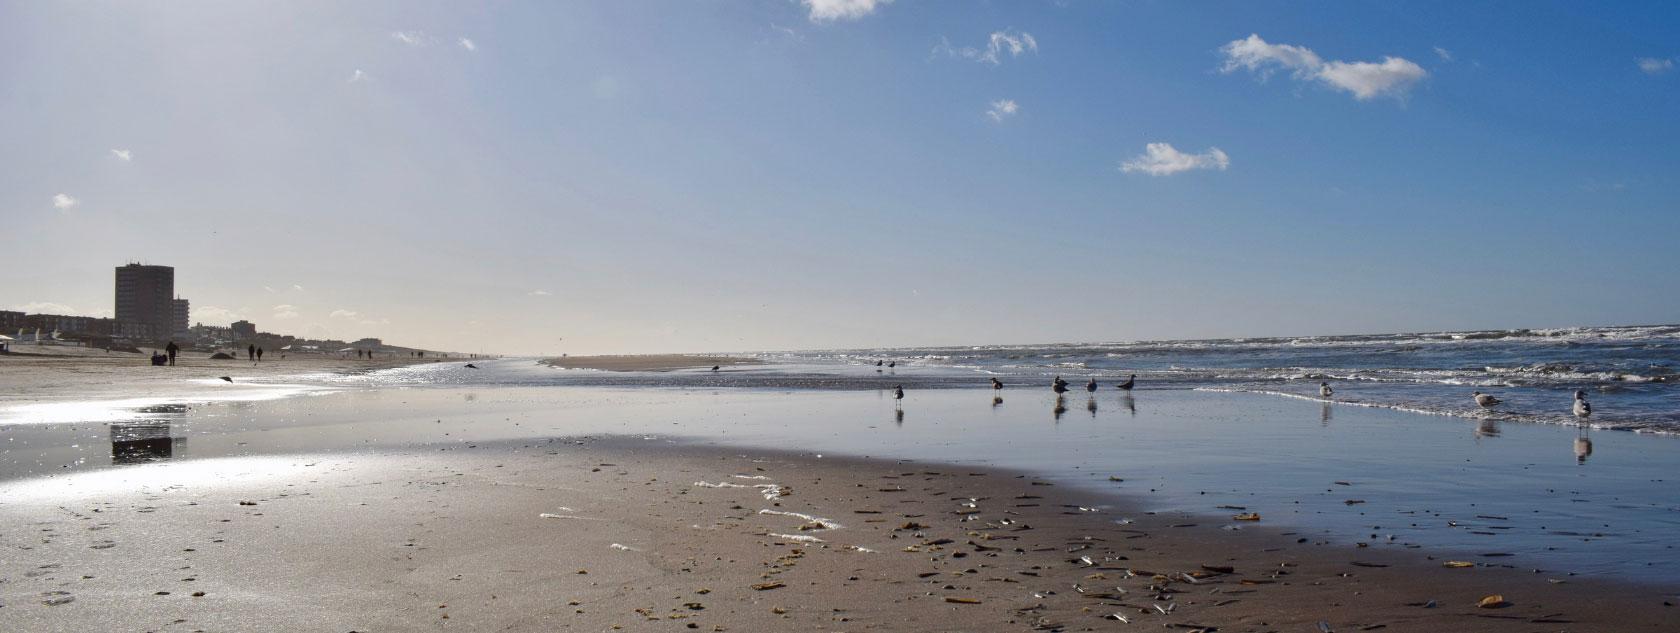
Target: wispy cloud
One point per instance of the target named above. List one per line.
(123, 155)
(998, 44)
(1162, 159)
(538, 293)
(1003, 108)
(297, 287)
(285, 311)
(358, 75)
(467, 44)
(343, 314)
(64, 201)
(375, 322)
(412, 38)
(831, 10)
(1393, 76)
(1444, 54)
(1655, 66)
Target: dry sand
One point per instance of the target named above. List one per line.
(651, 362)
(595, 535)
(46, 377)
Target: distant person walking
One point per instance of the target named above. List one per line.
(259, 354)
(251, 353)
(172, 349)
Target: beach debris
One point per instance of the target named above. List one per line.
(247, 503)
(1492, 601)
(1324, 627)
(1246, 516)
(766, 586)
(55, 598)
(623, 548)
(1359, 563)
(1117, 616)
(1220, 569)
(957, 600)
(1354, 502)
(227, 378)
(1457, 564)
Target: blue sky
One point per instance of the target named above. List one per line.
(707, 176)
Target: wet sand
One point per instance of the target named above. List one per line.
(651, 362)
(646, 534)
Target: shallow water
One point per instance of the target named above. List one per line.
(1468, 487)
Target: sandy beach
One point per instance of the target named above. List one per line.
(434, 496)
(605, 534)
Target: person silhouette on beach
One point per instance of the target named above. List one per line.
(251, 353)
(259, 354)
(172, 349)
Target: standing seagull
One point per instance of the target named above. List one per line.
(892, 364)
(996, 385)
(1130, 382)
(1091, 387)
(1484, 400)
(1324, 390)
(1059, 386)
(1582, 407)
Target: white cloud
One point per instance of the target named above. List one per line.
(214, 315)
(1654, 66)
(286, 307)
(297, 287)
(1393, 76)
(268, 288)
(997, 44)
(467, 44)
(288, 314)
(831, 10)
(46, 307)
(342, 313)
(63, 202)
(375, 321)
(1003, 108)
(1444, 54)
(790, 32)
(123, 155)
(1162, 159)
(358, 75)
(412, 38)
(538, 293)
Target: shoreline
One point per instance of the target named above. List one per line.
(649, 362)
(600, 531)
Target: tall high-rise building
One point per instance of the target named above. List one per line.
(145, 296)
(180, 317)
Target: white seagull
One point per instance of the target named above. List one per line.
(1324, 390)
(1484, 400)
(1582, 407)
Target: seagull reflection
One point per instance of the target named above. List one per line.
(1324, 415)
(1129, 403)
(898, 417)
(1583, 443)
(1487, 428)
(1091, 405)
(1060, 408)
(996, 400)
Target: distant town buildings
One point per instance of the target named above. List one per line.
(149, 314)
(146, 299)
